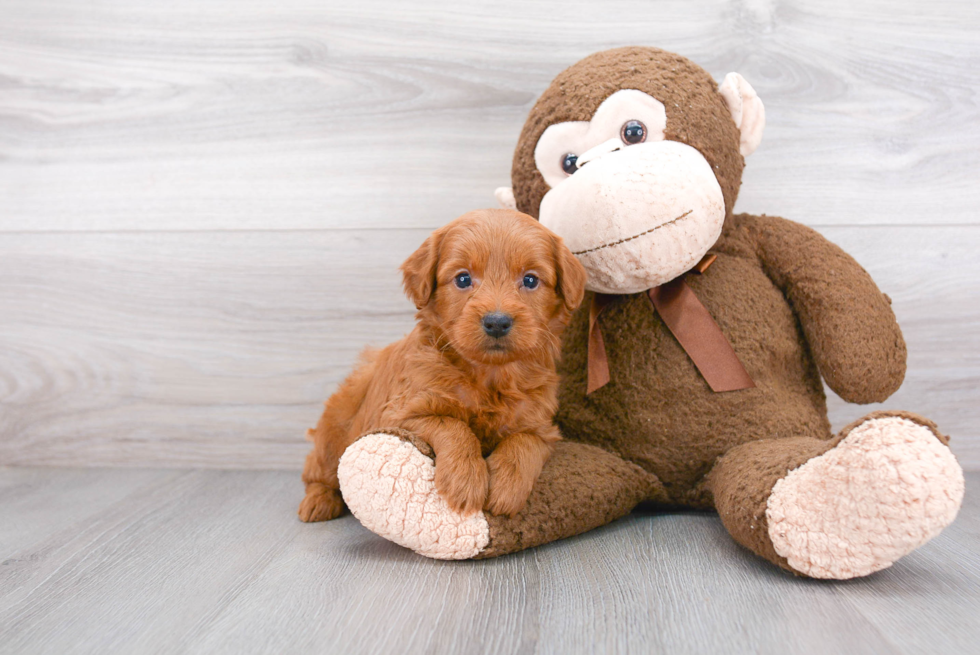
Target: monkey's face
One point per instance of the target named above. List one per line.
(636, 209)
(634, 157)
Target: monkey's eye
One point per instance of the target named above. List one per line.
(530, 281)
(463, 280)
(568, 162)
(633, 132)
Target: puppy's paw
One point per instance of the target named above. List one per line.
(509, 485)
(320, 504)
(463, 480)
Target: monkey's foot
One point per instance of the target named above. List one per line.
(390, 486)
(887, 488)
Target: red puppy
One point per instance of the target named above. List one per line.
(476, 377)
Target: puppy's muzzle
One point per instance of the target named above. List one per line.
(497, 325)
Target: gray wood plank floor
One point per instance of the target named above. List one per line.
(198, 561)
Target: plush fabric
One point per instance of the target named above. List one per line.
(672, 223)
(604, 128)
(389, 484)
(878, 494)
(747, 111)
(679, 84)
(796, 310)
(658, 411)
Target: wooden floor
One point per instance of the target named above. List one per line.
(133, 561)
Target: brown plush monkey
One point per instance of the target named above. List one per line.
(692, 372)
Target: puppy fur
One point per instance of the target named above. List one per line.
(485, 404)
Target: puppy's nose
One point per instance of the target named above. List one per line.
(496, 324)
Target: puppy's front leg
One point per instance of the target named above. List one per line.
(515, 465)
(461, 472)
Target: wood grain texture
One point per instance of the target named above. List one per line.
(38, 503)
(202, 206)
(303, 114)
(216, 562)
(216, 349)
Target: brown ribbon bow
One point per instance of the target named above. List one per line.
(690, 323)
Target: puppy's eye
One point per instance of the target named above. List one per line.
(530, 281)
(568, 163)
(463, 280)
(633, 132)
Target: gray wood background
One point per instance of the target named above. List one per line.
(203, 204)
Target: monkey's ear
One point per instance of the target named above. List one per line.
(505, 196)
(571, 276)
(747, 111)
(419, 270)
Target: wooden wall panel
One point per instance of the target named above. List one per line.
(203, 205)
(304, 114)
(217, 348)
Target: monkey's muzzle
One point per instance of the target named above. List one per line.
(639, 216)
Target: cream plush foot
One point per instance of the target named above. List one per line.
(389, 485)
(887, 488)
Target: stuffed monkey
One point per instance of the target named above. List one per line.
(691, 375)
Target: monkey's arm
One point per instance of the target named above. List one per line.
(848, 322)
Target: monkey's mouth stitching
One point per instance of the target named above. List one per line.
(635, 236)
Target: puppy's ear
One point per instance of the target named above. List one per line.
(571, 276)
(419, 270)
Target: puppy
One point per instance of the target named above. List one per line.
(476, 377)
